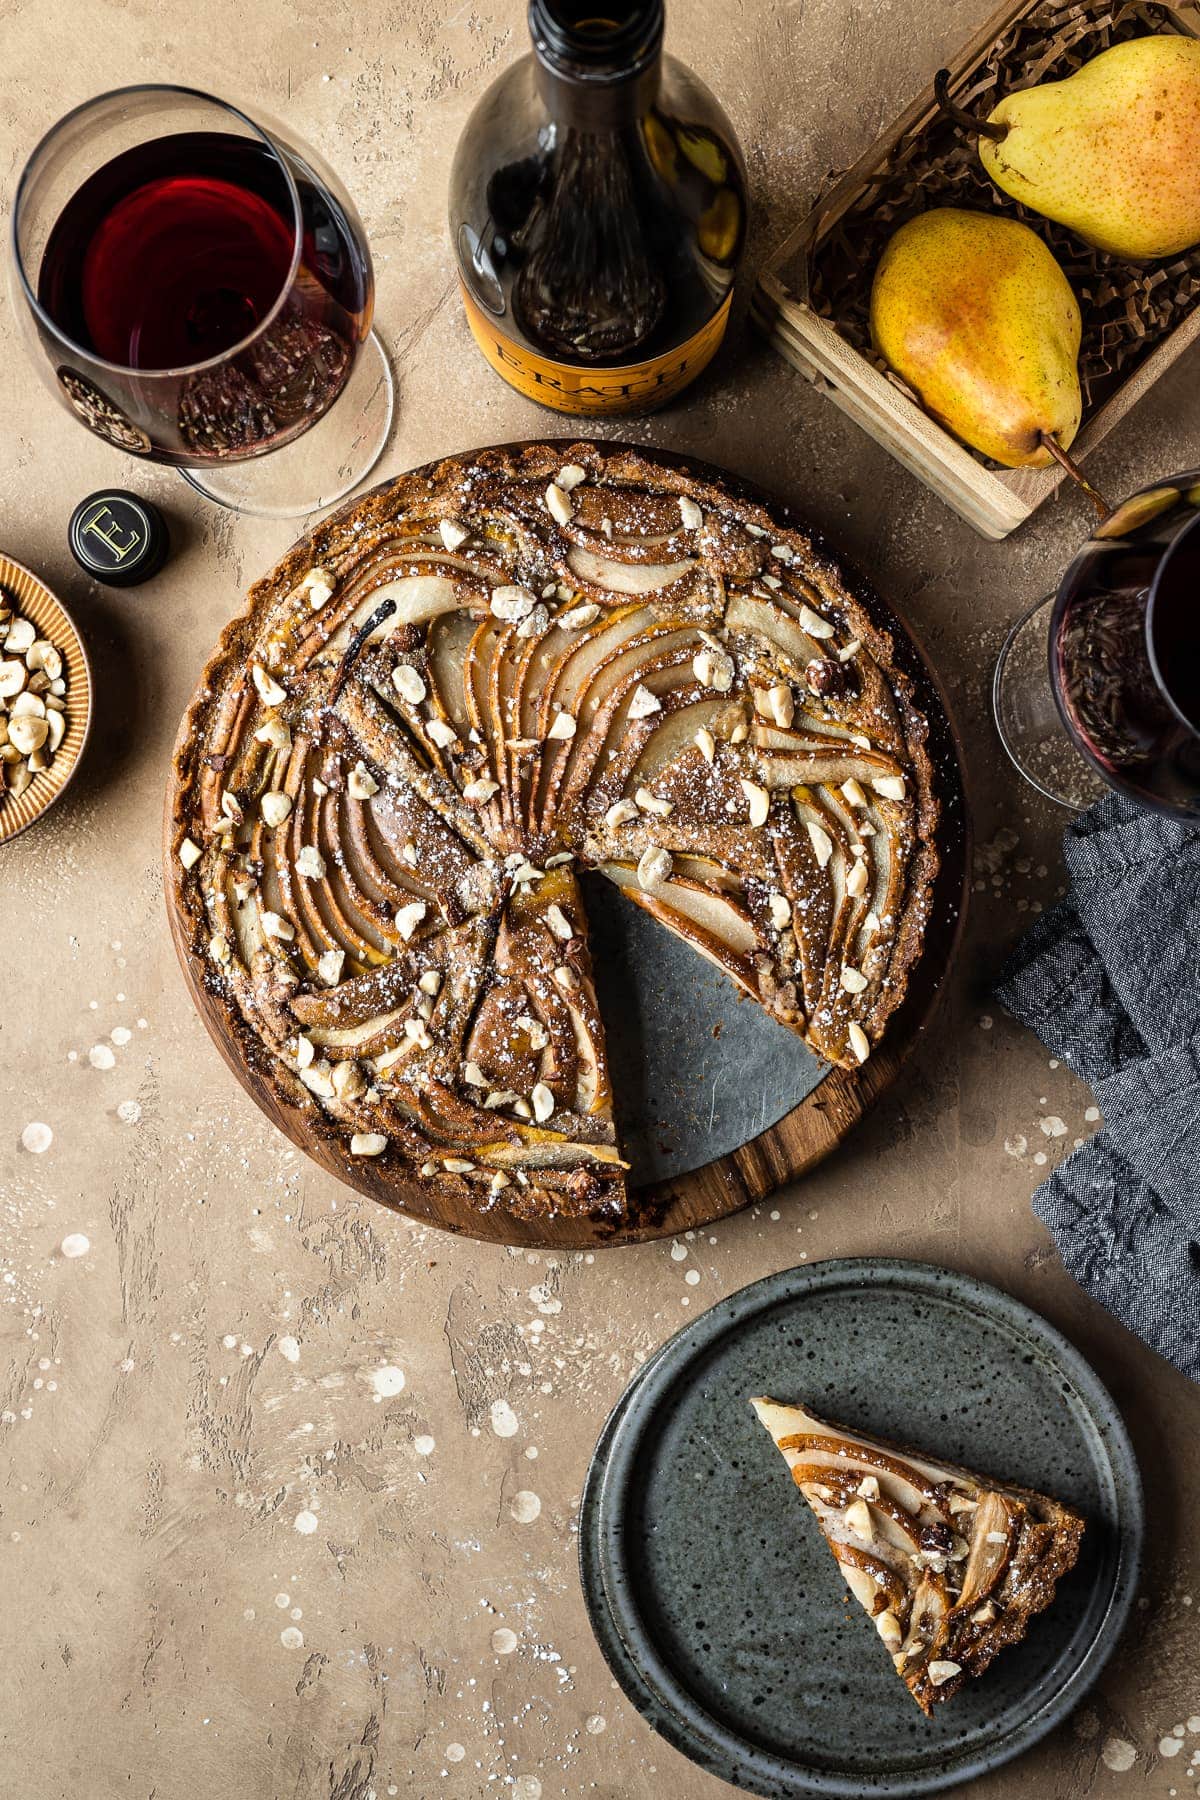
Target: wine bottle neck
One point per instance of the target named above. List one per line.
(598, 61)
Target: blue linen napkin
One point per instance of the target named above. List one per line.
(1110, 981)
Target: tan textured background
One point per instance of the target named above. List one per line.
(174, 1402)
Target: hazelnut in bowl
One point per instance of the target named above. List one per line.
(45, 698)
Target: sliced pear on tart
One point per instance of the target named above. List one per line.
(949, 1565)
(442, 704)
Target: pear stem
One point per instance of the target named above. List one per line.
(1077, 475)
(962, 118)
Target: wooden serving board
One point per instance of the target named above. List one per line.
(765, 1161)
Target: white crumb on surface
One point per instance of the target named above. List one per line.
(387, 1381)
(1118, 1754)
(504, 1420)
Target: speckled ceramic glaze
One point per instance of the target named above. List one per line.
(712, 1592)
(678, 1105)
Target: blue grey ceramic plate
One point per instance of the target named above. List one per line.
(713, 1594)
(678, 1105)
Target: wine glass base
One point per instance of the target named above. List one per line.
(329, 461)
(1028, 719)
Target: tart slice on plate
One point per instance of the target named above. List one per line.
(950, 1565)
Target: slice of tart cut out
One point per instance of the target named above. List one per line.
(951, 1566)
(467, 685)
(484, 1040)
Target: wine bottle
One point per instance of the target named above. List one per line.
(598, 213)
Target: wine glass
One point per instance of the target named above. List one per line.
(1099, 684)
(200, 292)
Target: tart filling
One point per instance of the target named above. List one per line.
(465, 688)
(949, 1565)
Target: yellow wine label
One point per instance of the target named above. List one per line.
(633, 387)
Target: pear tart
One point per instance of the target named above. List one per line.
(950, 1566)
(466, 687)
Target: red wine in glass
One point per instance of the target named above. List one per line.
(1125, 647)
(170, 254)
(177, 252)
(201, 291)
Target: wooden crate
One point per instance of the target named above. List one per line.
(995, 501)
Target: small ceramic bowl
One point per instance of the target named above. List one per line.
(34, 601)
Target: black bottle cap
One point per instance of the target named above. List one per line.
(117, 538)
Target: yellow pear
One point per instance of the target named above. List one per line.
(1112, 152)
(973, 312)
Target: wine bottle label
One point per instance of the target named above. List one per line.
(633, 387)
